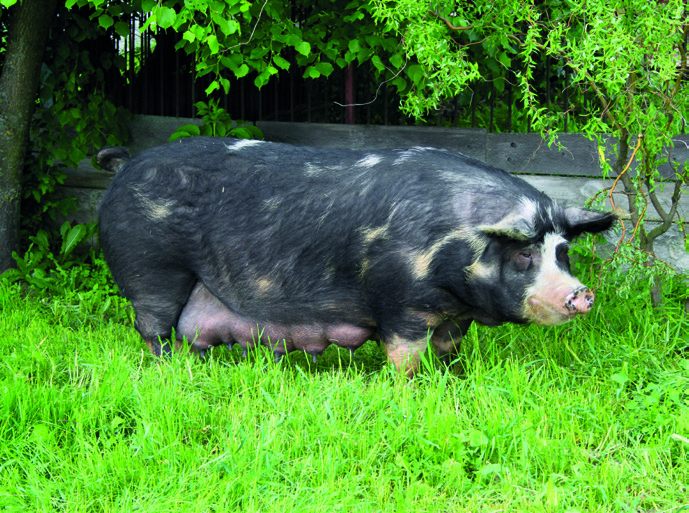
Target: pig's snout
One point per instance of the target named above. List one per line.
(580, 300)
(558, 305)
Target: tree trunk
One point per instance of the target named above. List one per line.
(29, 22)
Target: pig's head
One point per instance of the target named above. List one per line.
(522, 273)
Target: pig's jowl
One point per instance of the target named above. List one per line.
(297, 248)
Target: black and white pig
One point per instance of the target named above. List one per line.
(248, 242)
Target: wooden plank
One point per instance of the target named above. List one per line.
(529, 153)
(150, 131)
(577, 156)
(516, 153)
(372, 137)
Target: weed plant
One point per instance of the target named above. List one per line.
(591, 416)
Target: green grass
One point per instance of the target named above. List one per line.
(593, 416)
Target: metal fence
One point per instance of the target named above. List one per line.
(161, 81)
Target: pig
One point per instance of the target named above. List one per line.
(235, 241)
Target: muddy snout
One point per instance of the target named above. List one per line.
(580, 300)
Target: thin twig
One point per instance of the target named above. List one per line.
(377, 90)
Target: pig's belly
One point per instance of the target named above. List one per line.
(207, 322)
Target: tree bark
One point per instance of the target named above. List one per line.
(29, 22)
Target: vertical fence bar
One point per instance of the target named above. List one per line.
(260, 104)
(143, 59)
(385, 105)
(308, 100)
(193, 92)
(326, 101)
(161, 51)
(474, 101)
(566, 91)
(178, 76)
(292, 101)
(242, 103)
(510, 76)
(349, 114)
(492, 106)
(276, 108)
(130, 71)
(547, 81)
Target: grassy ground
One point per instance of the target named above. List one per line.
(593, 416)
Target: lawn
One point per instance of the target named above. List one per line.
(592, 416)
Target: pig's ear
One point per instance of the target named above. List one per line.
(580, 220)
(510, 227)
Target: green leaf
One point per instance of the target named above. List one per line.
(311, 72)
(377, 63)
(105, 21)
(73, 238)
(416, 73)
(185, 131)
(373, 40)
(122, 28)
(225, 83)
(212, 87)
(620, 377)
(477, 438)
(227, 26)
(324, 68)
(263, 78)
(397, 61)
(281, 62)
(400, 83)
(505, 60)
(303, 48)
(241, 71)
(213, 44)
(165, 16)
(232, 61)
(258, 52)
(246, 131)
(354, 46)
(76, 155)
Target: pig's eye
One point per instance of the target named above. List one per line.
(523, 259)
(562, 254)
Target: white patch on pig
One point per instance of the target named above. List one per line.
(518, 224)
(243, 143)
(529, 208)
(544, 300)
(409, 154)
(369, 161)
(311, 169)
(154, 209)
(403, 157)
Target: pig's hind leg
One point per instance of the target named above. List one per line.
(158, 301)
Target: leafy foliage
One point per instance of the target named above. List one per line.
(75, 117)
(263, 37)
(63, 270)
(218, 123)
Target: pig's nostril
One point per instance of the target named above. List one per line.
(580, 300)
